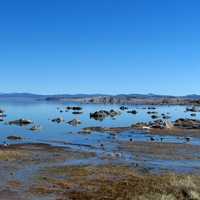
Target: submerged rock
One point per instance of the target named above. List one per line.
(20, 122)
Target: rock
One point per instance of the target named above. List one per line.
(2, 111)
(134, 112)
(20, 122)
(158, 124)
(35, 128)
(140, 126)
(114, 113)
(58, 120)
(193, 114)
(193, 109)
(151, 108)
(102, 114)
(74, 122)
(123, 108)
(152, 113)
(154, 116)
(99, 115)
(77, 113)
(74, 108)
(166, 116)
(187, 123)
(13, 137)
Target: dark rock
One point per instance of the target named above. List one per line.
(154, 116)
(74, 108)
(58, 120)
(13, 137)
(152, 113)
(123, 108)
(74, 122)
(21, 122)
(134, 112)
(193, 109)
(77, 113)
(187, 123)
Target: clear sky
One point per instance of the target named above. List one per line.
(100, 46)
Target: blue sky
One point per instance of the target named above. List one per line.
(100, 46)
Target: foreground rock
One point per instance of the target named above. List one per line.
(21, 122)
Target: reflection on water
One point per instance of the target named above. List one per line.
(63, 134)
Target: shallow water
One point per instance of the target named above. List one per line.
(63, 134)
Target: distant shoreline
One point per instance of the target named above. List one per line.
(135, 99)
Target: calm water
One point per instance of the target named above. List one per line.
(41, 113)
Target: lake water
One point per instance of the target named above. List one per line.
(63, 134)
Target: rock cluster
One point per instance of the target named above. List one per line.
(187, 123)
(102, 114)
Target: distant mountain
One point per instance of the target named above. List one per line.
(79, 96)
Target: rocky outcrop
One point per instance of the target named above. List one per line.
(187, 123)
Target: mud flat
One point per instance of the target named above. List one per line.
(41, 171)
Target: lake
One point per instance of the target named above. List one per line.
(63, 134)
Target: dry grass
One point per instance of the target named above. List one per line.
(12, 155)
(116, 183)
